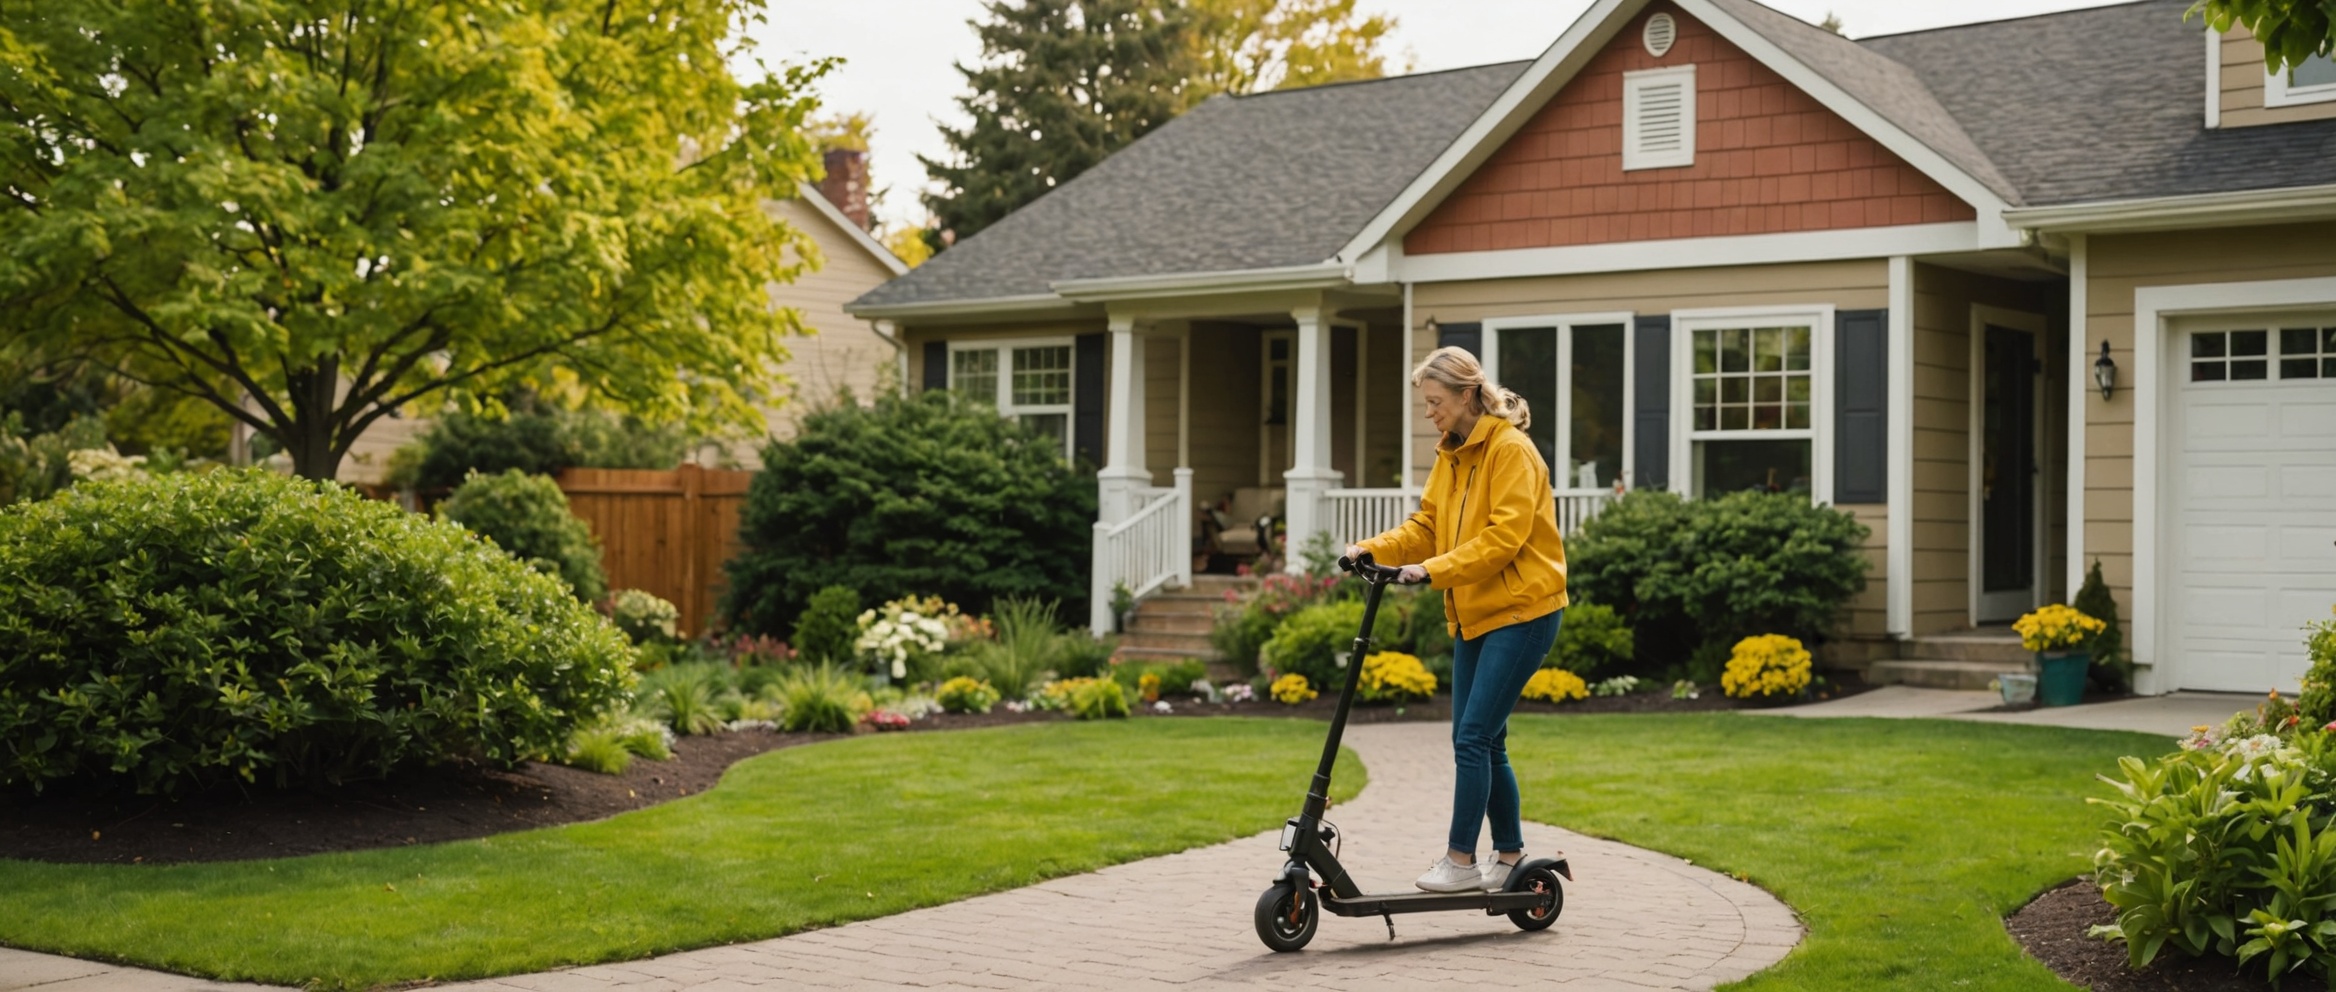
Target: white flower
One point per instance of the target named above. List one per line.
(2255, 748)
(1163, 707)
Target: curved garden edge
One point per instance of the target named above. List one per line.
(2051, 928)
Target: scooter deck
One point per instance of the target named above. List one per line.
(1390, 903)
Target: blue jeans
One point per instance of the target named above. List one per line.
(1488, 677)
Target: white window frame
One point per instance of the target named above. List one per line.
(2278, 93)
(1819, 433)
(1634, 85)
(1565, 324)
(1005, 397)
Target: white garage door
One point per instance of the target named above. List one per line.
(2253, 531)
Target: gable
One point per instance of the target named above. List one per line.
(1769, 158)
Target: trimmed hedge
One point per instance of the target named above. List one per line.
(178, 631)
(528, 516)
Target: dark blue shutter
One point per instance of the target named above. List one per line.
(1651, 421)
(1087, 383)
(1861, 412)
(1466, 336)
(936, 365)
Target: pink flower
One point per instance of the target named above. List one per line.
(2331, 727)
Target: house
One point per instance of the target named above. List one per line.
(2020, 295)
(842, 352)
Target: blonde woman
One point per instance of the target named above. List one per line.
(1486, 534)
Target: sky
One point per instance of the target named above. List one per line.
(899, 55)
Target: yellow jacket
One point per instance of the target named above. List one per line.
(1487, 532)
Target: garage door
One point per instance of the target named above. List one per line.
(2253, 531)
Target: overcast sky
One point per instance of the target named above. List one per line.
(898, 54)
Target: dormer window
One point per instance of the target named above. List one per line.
(2312, 81)
(1658, 118)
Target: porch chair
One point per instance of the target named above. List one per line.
(1241, 526)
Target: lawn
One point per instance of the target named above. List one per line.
(799, 838)
(1901, 843)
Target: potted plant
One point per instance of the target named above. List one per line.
(1123, 605)
(2059, 636)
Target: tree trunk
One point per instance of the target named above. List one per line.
(314, 455)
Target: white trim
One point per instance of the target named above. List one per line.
(1635, 85)
(1410, 346)
(2277, 92)
(1981, 316)
(1321, 275)
(2268, 206)
(1005, 387)
(1564, 324)
(1688, 253)
(1898, 563)
(1047, 304)
(2213, 89)
(2080, 386)
(1184, 399)
(1362, 471)
(835, 215)
(2153, 307)
(1819, 433)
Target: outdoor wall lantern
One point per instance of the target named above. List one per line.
(2105, 372)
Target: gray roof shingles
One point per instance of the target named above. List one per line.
(2104, 103)
(1266, 181)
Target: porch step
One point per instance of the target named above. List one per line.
(1995, 646)
(1182, 644)
(1940, 673)
(1164, 622)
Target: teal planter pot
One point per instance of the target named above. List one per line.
(2060, 677)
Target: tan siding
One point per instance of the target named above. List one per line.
(1869, 611)
(2242, 87)
(2118, 266)
(1162, 360)
(1388, 399)
(1224, 410)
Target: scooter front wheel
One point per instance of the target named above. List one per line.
(1537, 879)
(1287, 916)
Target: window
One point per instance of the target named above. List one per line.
(2303, 352)
(2312, 81)
(1754, 401)
(1573, 375)
(1029, 381)
(1658, 118)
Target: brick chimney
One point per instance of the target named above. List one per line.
(846, 184)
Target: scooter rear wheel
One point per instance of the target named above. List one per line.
(1287, 916)
(1544, 881)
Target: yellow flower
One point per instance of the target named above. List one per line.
(2057, 627)
(1395, 675)
(1292, 689)
(1767, 665)
(1556, 685)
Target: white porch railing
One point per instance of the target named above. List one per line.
(1150, 549)
(1575, 507)
(1354, 514)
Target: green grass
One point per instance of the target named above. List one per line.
(1902, 843)
(800, 838)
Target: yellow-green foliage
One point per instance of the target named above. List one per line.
(1086, 698)
(1292, 689)
(2055, 628)
(1395, 676)
(1556, 685)
(965, 694)
(1767, 665)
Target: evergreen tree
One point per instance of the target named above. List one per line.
(1061, 84)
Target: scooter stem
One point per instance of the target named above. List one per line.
(1377, 578)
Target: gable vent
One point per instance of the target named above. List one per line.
(1659, 33)
(1658, 118)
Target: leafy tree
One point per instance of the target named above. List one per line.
(1061, 84)
(535, 440)
(1249, 46)
(340, 209)
(922, 495)
(2291, 30)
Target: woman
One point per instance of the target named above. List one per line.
(1486, 534)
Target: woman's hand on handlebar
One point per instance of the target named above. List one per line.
(1412, 574)
(1354, 552)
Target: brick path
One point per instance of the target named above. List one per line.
(1633, 920)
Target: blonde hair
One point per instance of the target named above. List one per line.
(1455, 369)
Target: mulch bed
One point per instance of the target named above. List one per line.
(2052, 929)
(90, 825)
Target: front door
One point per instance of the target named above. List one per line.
(2008, 472)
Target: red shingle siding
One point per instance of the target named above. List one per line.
(1768, 158)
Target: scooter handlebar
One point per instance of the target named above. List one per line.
(1370, 571)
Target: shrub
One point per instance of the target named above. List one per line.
(818, 700)
(1590, 639)
(1292, 689)
(2110, 669)
(2319, 699)
(923, 494)
(1173, 678)
(827, 628)
(1707, 573)
(1244, 624)
(1087, 699)
(598, 749)
(1310, 641)
(1620, 685)
(34, 466)
(1391, 676)
(533, 440)
(1078, 655)
(527, 515)
(1028, 644)
(182, 629)
(1766, 666)
(966, 695)
(644, 617)
(1425, 631)
(684, 697)
(1555, 685)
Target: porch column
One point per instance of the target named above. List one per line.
(1311, 476)
(1124, 470)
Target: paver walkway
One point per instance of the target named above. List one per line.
(2171, 715)
(1633, 920)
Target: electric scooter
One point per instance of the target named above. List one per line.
(1290, 911)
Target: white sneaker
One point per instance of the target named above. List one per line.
(1445, 876)
(1496, 874)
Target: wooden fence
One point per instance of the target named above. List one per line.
(664, 532)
